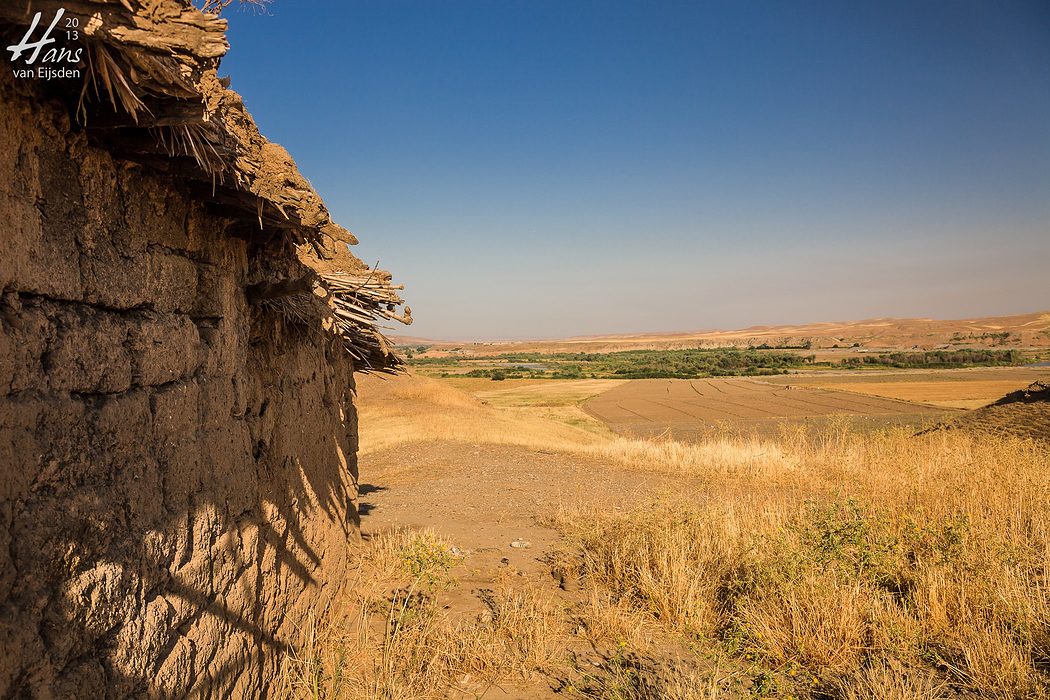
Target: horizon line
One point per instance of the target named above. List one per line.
(400, 338)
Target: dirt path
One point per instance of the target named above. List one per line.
(483, 498)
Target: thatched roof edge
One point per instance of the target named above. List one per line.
(151, 93)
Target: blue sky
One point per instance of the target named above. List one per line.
(551, 168)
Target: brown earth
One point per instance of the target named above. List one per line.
(687, 409)
(482, 497)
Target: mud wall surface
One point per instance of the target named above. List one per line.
(177, 468)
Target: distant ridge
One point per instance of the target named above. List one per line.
(1030, 330)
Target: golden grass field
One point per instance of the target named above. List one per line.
(968, 388)
(821, 563)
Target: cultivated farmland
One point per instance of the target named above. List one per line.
(686, 409)
(955, 388)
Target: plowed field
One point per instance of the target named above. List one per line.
(685, 409)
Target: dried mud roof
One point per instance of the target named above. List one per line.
(151, 93)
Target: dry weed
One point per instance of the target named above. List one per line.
(930, 550)
(401, 643)
(874, 565)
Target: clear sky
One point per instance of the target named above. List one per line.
(543, 168)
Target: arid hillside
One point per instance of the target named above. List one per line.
(1025, 330)
(1025, 413)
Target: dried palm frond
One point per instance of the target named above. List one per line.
(356, 301)
(103, 68)
(302, 310)
(193, 140)
(359, 299)
(216, 6)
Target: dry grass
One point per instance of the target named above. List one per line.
(883, 682)
(837, 564)
(558, 401)
(629, 677)
(562, 392)
(870, 552)
(396, 640)
(414, 409)
(712, 459)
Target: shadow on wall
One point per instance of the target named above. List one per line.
(177, 469)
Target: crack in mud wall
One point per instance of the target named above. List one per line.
(177, 468)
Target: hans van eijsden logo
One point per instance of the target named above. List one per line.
(59, 61)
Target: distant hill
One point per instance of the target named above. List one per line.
(1021, 331)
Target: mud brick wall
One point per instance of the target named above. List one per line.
(177, 469)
